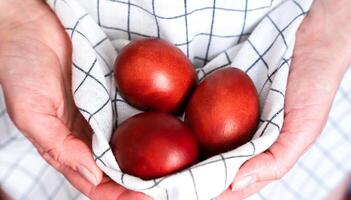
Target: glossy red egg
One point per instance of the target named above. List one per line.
(154, 144)
(223, 111)
(152, 74)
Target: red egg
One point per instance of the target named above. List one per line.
(223, 111)
(154, 144)
(152, 74)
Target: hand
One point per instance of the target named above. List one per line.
(321, 56)
(3, 196)
(35, 67)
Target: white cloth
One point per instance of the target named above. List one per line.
(266, 61)
(326, 164)
(258, 43)
(23, 173)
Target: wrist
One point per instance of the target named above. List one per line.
(325, 33)
(17, 12)
(15, 17)
(334, 53)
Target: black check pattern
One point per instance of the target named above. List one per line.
(22, 171)
(308, 180)
(91, 32)
(205, 58)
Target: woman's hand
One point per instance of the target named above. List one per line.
(35, 74)
(321, 56)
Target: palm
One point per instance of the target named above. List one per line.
(317, 68)
(37, 86)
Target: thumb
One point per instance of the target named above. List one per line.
(261, 168)
(312, 85)
(74, 153)
(59, 146)
(300, 129)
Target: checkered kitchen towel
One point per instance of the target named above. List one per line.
(256, 36)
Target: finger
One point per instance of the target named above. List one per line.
(262, 168)
(312, 84)
(76, 154)
(107, 189)
(244, 193)
(81, 128)
(72, 176)
(299, 131)
(65, 148)
(84, 186)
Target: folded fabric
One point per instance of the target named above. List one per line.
(264, 54)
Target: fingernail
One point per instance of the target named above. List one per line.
(243, 183)
(88, 175)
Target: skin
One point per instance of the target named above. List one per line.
(321, 56)
(3, 196)
(35, 56)
(35, 60)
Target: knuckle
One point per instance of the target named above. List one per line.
(61, 152)
(279, 166)
(281, 170)
(54, 153)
